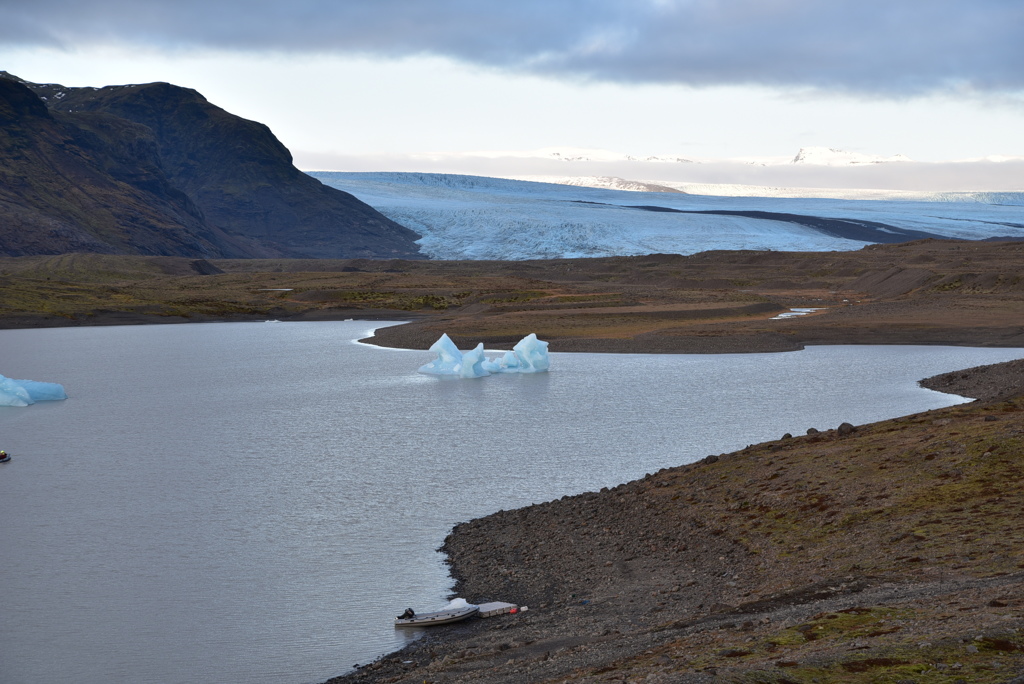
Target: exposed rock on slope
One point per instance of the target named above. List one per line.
(156, 169)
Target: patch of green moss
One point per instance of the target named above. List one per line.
(425, 302)
(845, 625)
(950, 286)
(515, 297)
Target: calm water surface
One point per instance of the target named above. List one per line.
(254, 502)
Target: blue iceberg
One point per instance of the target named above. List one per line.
(449, 358)
(473, 361)
(25, 392)
(530, 355)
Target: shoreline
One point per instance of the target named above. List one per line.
(109, 318)
(419, 331)
(659, 591)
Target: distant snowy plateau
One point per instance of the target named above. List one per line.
(473, 217)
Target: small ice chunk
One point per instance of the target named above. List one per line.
(43, 391)
(13, 394)
(532, 355)
(449, 358)
(25, 392)
(509, 363)
(472, 365)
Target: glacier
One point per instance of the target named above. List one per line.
(24, 392)
(529, 355)
(474, 217)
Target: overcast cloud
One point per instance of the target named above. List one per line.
(890, 48)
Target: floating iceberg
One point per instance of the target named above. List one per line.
(449, 358)
(472, 365)
(509, 363)
(530, 355)
(25, 392)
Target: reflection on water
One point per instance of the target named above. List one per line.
(256, 503)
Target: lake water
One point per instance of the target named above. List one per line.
(255, 501)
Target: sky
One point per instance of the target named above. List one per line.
(458, 84)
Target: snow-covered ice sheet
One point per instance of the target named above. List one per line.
(473, 217)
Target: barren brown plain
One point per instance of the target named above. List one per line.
(924, 292)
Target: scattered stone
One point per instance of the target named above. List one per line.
(812, 431)
(846, 429)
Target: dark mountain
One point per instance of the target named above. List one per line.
(92, 185)
(156, 169)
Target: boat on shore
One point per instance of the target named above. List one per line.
(440, 617)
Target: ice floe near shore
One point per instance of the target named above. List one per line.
(529, 355)
(25, 392)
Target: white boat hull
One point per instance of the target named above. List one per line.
(441, 617)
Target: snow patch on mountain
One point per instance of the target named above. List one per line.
(741, 190)
(579, 154)
(814, 156)
(829, 156)
(606, 182)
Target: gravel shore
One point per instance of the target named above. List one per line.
(986, 383)
(617, 579)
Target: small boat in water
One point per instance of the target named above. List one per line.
(4, 457)
(441, 617)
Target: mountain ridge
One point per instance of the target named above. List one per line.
(157, 169)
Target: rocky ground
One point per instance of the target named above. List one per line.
(890, 552)
(998, 381)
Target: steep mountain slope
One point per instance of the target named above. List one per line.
(89, 185)
(156, 169)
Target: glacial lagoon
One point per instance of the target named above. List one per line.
(255, 502)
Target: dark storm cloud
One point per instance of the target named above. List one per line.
(888, 47)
